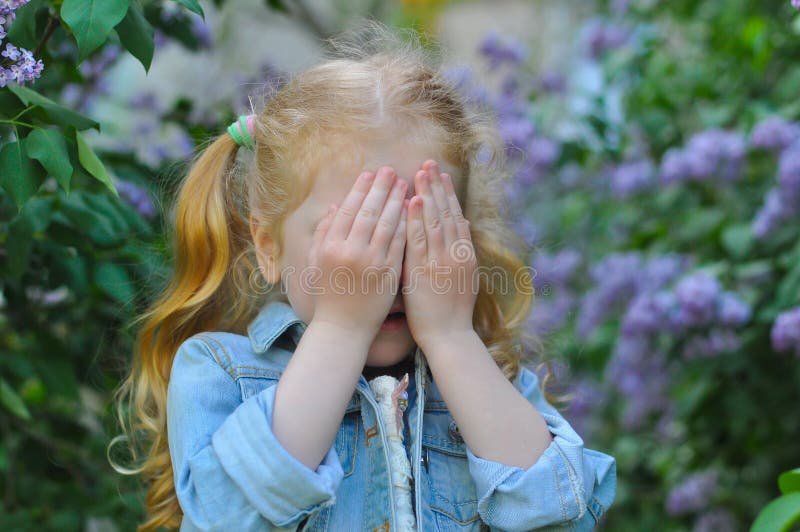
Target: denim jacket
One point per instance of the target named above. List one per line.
(231, 473)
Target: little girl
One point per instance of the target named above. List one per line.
(330, 353)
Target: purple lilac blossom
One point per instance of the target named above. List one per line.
(550, 310)
(556, 268)
(708, 346)
(789, 172)
(552, 274)
(586, 397)
(517, 131)
(627, 281)
(718, 519)
(94, 69)
(19, 64)
(785, 334)
(620, 277)
(774, 133)
(202, 32)
(620, 7)
(771, 214)
(19, 67)
(710, 153)
(603, 36)
(616, 278)
(552, 82)
(539, 156)
(693, 494)
(695, 301)
(499, 51)
(732, 310)
(462, 78)
(647, 313)
(631, 176)
(783, 201)
(640, 374)
(796, 3)
(137, 197)
(697, 296)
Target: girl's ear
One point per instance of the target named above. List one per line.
(265, 248)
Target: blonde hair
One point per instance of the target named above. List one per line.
(372, 78)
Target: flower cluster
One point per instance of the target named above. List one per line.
(499, 51)
(631, 176)
(707, 154)
(775, 133)
(693, 494)
(641, 376)
(17, 64)
(697, 303)
(785, 333)
(619, 278)
(137, 197)
(555, 300)
(603, 36)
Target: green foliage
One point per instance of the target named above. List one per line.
(91, 21)
(78, 260)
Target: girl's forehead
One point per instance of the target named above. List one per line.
(336, 178)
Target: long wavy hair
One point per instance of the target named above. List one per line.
(372, 79)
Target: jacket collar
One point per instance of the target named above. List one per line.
(277, 317)
(274, 319)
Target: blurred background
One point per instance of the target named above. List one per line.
(656, 173)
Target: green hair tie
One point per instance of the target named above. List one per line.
(243, 130)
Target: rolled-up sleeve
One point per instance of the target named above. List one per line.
(568, 488)
(230, 471)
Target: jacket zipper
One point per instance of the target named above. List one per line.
(385, 454)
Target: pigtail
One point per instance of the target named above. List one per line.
(210, 252)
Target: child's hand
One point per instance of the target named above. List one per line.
(439, 282)
(358, 248)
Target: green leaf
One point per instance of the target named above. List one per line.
(92, 163)
(778, 515)
(700, 224)
(23, 31)
(789, 481)
(137, 35)
(87, 220)
(192, 5)
(58, 114)
(21, 177)
(738, 240)
(113, 280)
(34, 218)
(91, 21)
(12, 401)
(49, 148)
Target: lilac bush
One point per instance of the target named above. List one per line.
(664, 157)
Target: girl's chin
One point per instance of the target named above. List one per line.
(387, 353)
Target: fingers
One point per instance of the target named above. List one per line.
(372, 206)
(387, 222)
(416, 240)
(322, 228)
(461, 223)
(440, 196)
(430, 213)
(398, 243)
(346, 213)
